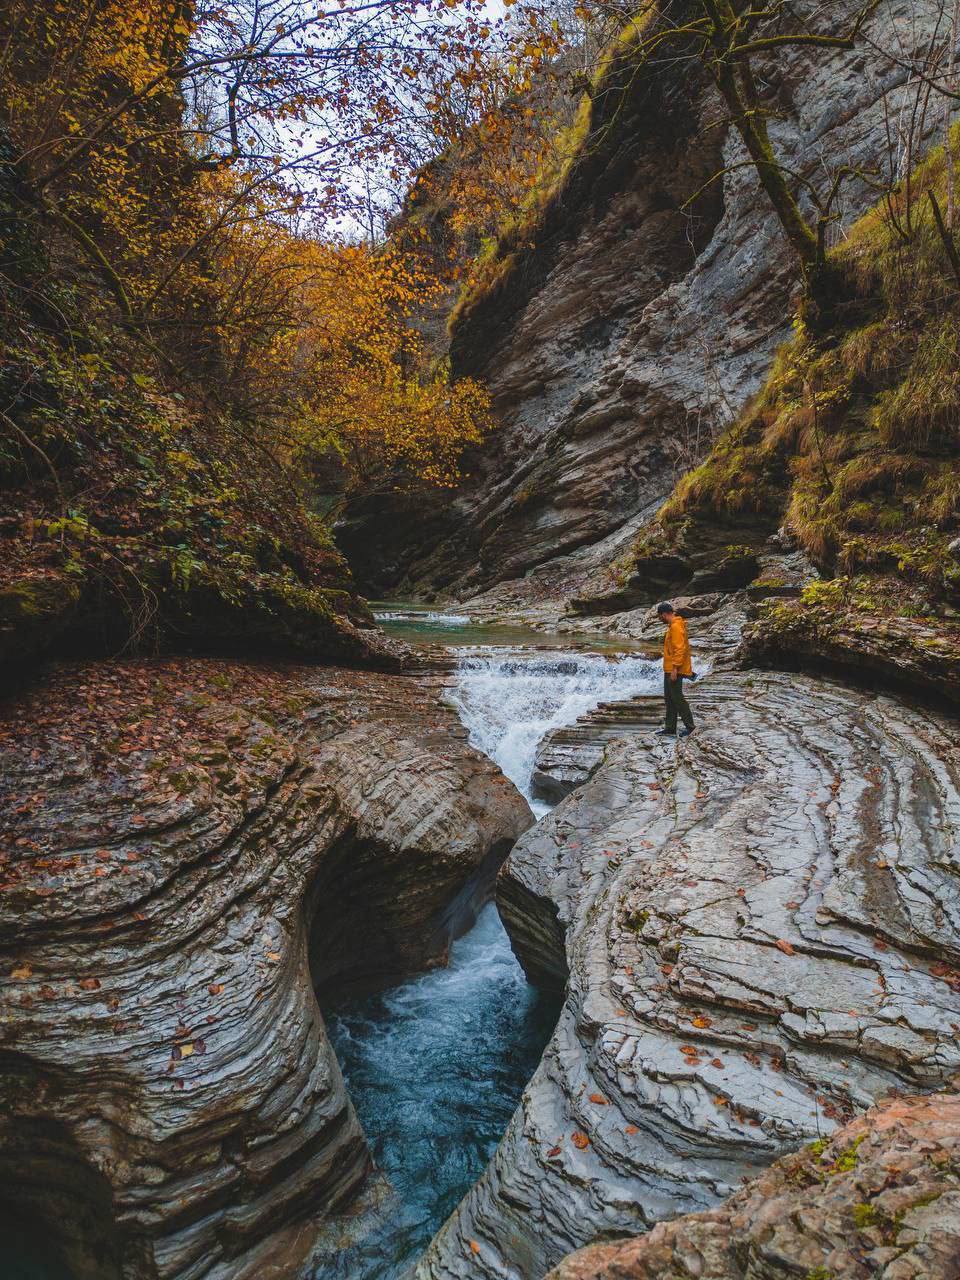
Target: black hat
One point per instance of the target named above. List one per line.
(665, 607)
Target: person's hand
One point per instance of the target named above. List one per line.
(673, 675)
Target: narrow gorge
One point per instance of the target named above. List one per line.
(387, 938)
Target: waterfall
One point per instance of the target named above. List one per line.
(509, 699)
(436, 1065)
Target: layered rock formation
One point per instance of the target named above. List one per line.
(881, 1199)
(190, 850)
(758, 933)
(629, 330)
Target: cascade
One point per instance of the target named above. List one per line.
(436, 1065)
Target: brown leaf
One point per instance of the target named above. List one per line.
(89, 984)
(21, 972)
(599, 1099)
(215, 988)
(580, 1140)
(631, 1129)
(701, 1020)
(554, 1151)
(716, 1062)
(475, 1248)
(785, 947)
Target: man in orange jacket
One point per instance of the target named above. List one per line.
(677, 667)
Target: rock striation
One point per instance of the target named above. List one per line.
(190, 850)
(882, 1198)
(758, 934)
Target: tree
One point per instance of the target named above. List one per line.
(726, 37)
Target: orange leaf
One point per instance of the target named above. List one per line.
(631, 1129)
(475, 1248)
(599, 1099)
(701, 1020)
(785, 947)
(580, 1140)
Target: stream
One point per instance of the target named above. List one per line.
(436, 1065)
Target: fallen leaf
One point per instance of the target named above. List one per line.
(702, 1021)
(89, 984)
(580, 1140)
(666, 970)
(274, 956)
(785, 947)
(716, 1062)
(631, 1129)
(474, 1246)
(215, 988)
(21, 972)
(688, 1049)
(554, 1151)
(599, 1099)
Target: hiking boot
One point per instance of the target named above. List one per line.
(665, 733)
(685, 733)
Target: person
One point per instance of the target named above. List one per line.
(677, 667)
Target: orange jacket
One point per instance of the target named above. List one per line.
(676, 648)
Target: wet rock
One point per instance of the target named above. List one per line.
(190, 849)
(758, 931)
(882, 1198)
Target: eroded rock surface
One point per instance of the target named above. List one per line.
(759, 933)
(882, 1199)
(183, 844)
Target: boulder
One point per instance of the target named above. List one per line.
(881, 1198)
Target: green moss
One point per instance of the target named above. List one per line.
(864, 1216)
(848, 1160)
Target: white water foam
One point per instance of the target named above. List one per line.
(424, 619)
(509, 699)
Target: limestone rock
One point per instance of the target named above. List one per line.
(882, 1198)
(190, 849)
(758, 932)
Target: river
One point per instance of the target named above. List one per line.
(436, 1065)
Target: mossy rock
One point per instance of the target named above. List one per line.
(34, 612)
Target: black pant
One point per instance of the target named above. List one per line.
(676, 703)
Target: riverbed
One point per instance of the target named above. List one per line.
(436, 1065)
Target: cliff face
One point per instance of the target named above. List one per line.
(629, 330)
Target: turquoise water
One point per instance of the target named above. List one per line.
(436, 624)
(436, 1066)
